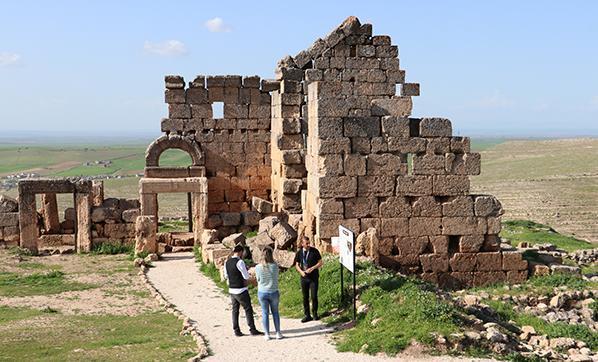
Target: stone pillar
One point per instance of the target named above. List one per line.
(83, 207)
(200, 214)
(50, 213)
(145, 235)
(28, 222)
(97, 193)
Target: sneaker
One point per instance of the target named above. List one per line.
(267, 337)
(255, 332)
(279, 335)
(307, 319)
(238, 333)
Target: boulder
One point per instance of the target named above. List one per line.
(283, 235)
(284, 258)
(130, 215)
(208, 236)
(257, 244)
(234, 239)
(268, 223)
(365, 241)
(565, 269)
(145, 235)
(260, 205)
(8, 204)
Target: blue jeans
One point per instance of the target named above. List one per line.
(269, 302)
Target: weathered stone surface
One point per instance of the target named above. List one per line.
(463, 225)
(260, 205)
(8, 204)
(284, 258)
(359, 207)
(283, 235)
(470, 243)
(424, 226)
(396, 106)
(435, 127)
(414, 185)
(439, 244)
(489, 261)
(486, 205)
(434, 262)
(462, 262)
(426, 206)
(145, 235)
(9, 219)
(395, 206)
(233, 239)
(231, 218)
(257, 244)
(375, 185)
(396, 226)
(250, 218)
(267, 223)
(481, 279)
(411, 245)
(130, 215)
(513, 260)
(208, 236)
(83, 206)
(337, 186)
(458, 206)
(367, 242)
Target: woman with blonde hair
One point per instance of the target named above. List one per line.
(267, 292)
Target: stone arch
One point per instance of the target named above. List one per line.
(161, 144)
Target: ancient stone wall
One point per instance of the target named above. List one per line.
(9, 221)
(369, 165)
(236, 147)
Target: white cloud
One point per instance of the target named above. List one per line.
(7, 59)
(166, 48)
(217, 25)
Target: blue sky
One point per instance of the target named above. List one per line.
(494, 68)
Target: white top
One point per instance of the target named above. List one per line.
(243, 269)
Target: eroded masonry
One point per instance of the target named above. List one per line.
(331, 141)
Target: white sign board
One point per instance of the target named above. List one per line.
(346, 243)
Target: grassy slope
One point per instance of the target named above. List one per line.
(517, 231)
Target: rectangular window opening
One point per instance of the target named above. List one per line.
(218, 110)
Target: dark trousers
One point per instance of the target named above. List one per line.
(307, 286)
(244, 300)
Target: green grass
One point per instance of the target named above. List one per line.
(481, 144)
(541, 285)
(209, 270)
(53, 336)
(534, 233)
(111, 247)
(590, 269)
(38, 266)
(579, 332)
(407, 308)
(172, 226)
(52, 282)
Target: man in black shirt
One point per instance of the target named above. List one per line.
(307, 262)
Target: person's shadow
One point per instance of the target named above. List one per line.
(307, 331)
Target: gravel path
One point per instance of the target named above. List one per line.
(178, 279)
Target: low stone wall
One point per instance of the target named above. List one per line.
(114, 220)
(9, 221)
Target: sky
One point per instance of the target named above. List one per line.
(495, 68)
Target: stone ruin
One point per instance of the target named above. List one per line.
(329, 142)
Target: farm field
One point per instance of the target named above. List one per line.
(554, 182)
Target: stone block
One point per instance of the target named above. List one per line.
(130, 215)
(396, 226)
(411, 245)
(101, 214)
(284, 258)
(9, 219)
(428, 164)
(234, 239)
(513, 260)
(516, 276)
(354, 165)
(435, 127)
(463, 225)
(489, 261)
(362, 127)
(494, 225)
(414, 185)
(8, 204)
(491, 243)
(385, 164)
(174, 81)
(180, 111)
(471, 243)
(439, 244)
(426, 206)
(231, 218)
(145, 234)
(260, 205)
(330, 165)
(395, 106)
(450, 185)
(208, 236)
(425, 226)
(337, 186)
(267, 223)
(458, 206)
(197, 95)
(413, 145)
(375, 185)
(250, 218)
(202, 111)
(361, 145)
(486, 278)
(359, 207)
(487, 205)
(283, 234)
(119, 231)
(410, 89)
(434, 262)
(461, 262)
(460, 145)
(330, 206)
(395, 127)
(395, 206)
(217, 253)
(330, 146)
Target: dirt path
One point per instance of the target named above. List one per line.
(180, 282)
